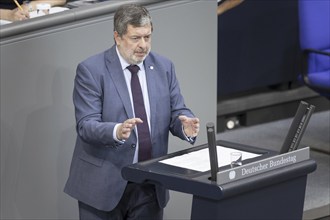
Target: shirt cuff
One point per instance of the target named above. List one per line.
(114, 134)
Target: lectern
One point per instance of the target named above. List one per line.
(267, 186)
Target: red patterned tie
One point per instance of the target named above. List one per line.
(140, 112)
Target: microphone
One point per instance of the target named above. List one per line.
(212, 150)
(297, 128)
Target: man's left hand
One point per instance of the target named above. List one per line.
(190, 125)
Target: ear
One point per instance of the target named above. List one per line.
(116, 37)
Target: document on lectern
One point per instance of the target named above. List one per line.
(199, 160)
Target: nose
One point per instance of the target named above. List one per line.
(142, 43)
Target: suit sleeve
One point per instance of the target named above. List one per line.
(87, 99)
(178, 107)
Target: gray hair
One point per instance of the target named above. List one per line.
(131, 14)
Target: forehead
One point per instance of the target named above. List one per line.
(140, 31)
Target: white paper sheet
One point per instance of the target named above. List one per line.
(2, 22)
(200, 161)
(52, 10)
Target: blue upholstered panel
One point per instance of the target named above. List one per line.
(319, 62)
(314, 27)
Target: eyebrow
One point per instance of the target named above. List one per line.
(136, 35)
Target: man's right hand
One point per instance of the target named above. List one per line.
(124, 129)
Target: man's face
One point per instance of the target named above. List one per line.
(135, 45)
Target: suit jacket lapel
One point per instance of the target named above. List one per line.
(152, 91)
(117, 76)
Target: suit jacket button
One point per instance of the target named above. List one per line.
(133, 145)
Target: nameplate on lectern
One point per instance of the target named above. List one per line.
(263, 166)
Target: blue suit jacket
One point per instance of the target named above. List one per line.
(101, 101)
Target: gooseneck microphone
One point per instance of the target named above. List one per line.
(212, 150)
